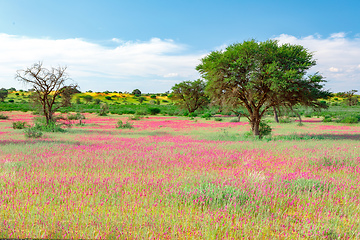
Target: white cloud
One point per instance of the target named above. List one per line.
(127, 66)
(333, 69)
(171, 75)
(338, 35)
(337, 58)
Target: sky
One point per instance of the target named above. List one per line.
(152, 45)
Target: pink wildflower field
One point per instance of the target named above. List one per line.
(177, 178)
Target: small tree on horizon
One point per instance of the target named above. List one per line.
(136, 92)
(3, 94)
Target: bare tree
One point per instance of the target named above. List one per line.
(48, 86)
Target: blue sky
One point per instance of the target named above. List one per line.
(151, 45)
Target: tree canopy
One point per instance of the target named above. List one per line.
(190, 94)
(3, 94)
(261, 75)
(136, 92)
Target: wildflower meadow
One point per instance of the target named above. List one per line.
(172, 177)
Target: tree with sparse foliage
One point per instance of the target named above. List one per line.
(350, 98)
(3, 94)
(261, 75)
(190, 95)
(48, 85)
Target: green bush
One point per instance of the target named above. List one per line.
(193, 114)
(32, 132)
(97, 101)
(153, 96)
(19, 125)
(264, 129)
(51, 127)
(285, 120)
(11, 100)
(207, 116)
(154, 111)
(218, 119)
(350, 119)
(108, 98)
(135, 117)
(327, 119)
(41, 125)
(77, 116)
(122, 125)
(2, 116)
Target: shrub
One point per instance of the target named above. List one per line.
(327, 119)
(122, 125)
(153, 96)
(19, 125)
(77, 116)
(104, 109)
(264, 129)
(165, 101)
(218, 119)
(154, 111)
(135, 117)
(285, 120)
(11, 100)
(33, 132)
(192, 115)
(207, 116)
(350, 119)
(51, 127)
(97, 101)
(2, 116)
(108, 98)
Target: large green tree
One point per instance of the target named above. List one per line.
(190, 95)
(262, 75)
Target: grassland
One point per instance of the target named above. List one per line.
(179, 178)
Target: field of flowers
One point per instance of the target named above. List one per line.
(178, 178)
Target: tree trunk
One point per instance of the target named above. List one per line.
(300, 121)
(255, 125)
(275, 115)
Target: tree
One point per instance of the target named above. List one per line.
(141, 100)
(88, 98)
(190, 94)
(48, 85)
(3, 94)
(261, 75)
(350, 98)
(136, 92)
